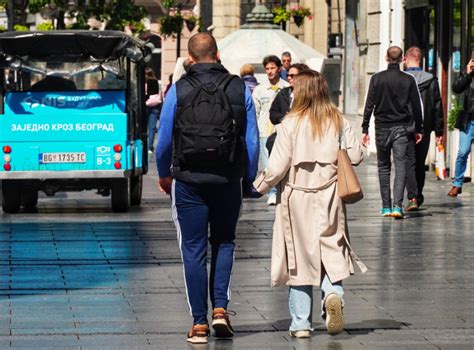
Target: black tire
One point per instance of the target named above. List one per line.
(136, 189)
(11, 196)
(121, 195)
(29, 198)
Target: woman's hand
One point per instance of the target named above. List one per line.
(365, 140)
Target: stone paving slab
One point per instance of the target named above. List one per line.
(76, 276)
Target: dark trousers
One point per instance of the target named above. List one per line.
(416, 173)
(197, 207)
(392, 140)
(411, 182)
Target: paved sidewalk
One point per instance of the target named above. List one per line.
(76, 276)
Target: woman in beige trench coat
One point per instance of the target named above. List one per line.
(310, 240)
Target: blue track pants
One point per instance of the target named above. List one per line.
(197, 207)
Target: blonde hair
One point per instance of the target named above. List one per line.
(246, 69)
(312, 101)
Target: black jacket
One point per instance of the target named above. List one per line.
(433, 119)
(235, 90)
(465, 83)
(394, 98)
(280, 105)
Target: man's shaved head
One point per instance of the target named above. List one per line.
(202, 47)
(414, 53)
(394, 54)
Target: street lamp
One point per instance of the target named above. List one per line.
(178, 36)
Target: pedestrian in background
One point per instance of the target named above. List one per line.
(153, 105)
(282, 102)
(247, 74)
(394, 99)
(465, 124)
(263, 96)
(433, 120)
(286, 64)
(203, 168)
(310, 242)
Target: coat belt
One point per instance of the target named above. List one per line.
(288, 229)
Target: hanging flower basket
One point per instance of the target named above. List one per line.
(298, 20)
(191, 23)
(171, 25)
(299, 14)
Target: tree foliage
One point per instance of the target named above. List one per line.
(116, 13)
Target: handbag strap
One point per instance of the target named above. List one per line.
(342, 137)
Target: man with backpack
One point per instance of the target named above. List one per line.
(207, 151)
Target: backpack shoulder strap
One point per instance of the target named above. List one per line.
(224, 81)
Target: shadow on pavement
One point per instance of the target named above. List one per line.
(350, 329)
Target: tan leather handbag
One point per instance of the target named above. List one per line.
(348, 185)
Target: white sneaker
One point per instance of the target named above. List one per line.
(272, 200)
(334, 316)
(301, 334)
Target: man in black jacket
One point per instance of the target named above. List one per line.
(433, 120)
(465, 124)
(394, 98)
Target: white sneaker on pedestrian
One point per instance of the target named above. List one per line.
(272, 200)
(334, 316)
(301, 334)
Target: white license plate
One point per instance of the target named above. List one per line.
(63, 157)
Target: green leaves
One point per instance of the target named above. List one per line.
(45, 26)
(167, 3)
(171, 25)
(117, 13)
(280, 14)
(456, 107)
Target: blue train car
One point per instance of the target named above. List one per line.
(72, 116)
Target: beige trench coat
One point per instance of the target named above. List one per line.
(310, 226)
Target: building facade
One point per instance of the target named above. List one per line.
(360, 31)
(442, 29)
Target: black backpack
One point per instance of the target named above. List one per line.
(206, 132)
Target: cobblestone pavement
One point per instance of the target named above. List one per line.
(76, 276)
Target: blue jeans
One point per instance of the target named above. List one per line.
(264, 161)
(153, 114)
(466, 137)
(301, 303)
